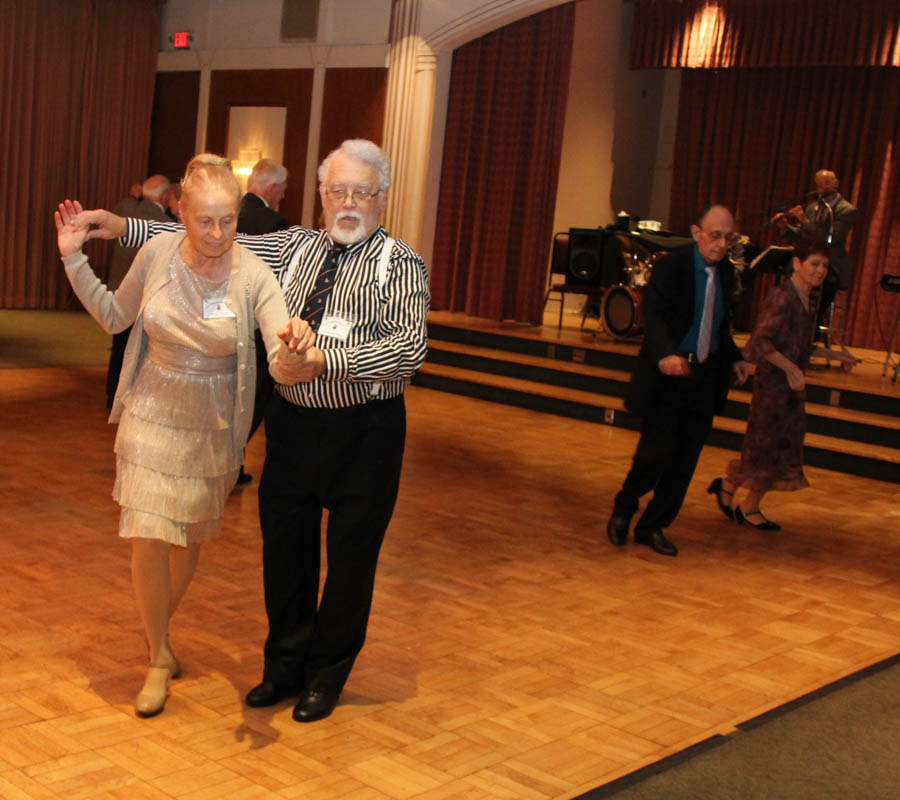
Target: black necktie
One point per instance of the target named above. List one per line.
(314, 307)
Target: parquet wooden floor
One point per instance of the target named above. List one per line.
(512, 653)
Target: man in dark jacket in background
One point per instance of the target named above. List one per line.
(258, 214)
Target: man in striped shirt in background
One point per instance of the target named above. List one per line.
(335, 440)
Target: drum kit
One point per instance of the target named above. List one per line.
(620, 306)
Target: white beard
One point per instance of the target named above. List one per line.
(348, 236)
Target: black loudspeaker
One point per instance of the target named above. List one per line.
(586, 256)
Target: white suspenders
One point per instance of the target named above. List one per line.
(292, 267)
(385, 260)
(383, 263)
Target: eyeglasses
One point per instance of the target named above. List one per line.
(361, 194)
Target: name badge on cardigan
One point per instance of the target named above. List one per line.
(216, 308)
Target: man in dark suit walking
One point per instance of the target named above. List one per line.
(681, 380)
(259, 207)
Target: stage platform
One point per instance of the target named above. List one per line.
(853, 418)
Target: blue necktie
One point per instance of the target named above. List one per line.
(706, 320)
(314, 307)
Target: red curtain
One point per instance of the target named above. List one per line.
(76, 93)
(501, 166)
(752, 139)
(765, 33)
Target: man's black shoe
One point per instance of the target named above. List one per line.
(268, 694)
(315, 705)
(657, 541)
(617, 527)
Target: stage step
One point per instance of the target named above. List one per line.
(620, 357)
(542, 376)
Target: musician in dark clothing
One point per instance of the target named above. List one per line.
(828, 217)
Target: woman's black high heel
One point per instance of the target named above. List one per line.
(765, 525)
(716, 488)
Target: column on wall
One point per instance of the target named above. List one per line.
(407, 123)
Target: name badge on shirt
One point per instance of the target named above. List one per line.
(335, 326)
(216, 308)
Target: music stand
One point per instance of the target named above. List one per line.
(773, 259)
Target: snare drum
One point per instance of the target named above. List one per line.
(620, 310)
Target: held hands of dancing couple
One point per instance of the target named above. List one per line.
(298, 360)
(679, 365)
(74, 225)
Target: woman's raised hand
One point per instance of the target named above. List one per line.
(70, 234)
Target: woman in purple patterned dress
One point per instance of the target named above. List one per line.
(780, 345)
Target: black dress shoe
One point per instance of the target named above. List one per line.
(716, 488)
(765, 525)
(268, 694)
(657, 541)
(315, 705)
(243, 477)
(617, 527)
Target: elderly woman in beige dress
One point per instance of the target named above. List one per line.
(185, 397)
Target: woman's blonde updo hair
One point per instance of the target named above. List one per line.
(205, 171)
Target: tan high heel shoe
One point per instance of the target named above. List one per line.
(172, 664)
(151, 699)
(168, 661)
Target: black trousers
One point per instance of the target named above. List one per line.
(673, 433)
(347, 461)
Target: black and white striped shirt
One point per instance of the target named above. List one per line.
(387, 339)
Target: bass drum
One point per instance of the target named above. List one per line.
(620, 311)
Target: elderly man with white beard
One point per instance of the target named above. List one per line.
(335, 440)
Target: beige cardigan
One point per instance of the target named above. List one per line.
(253, 294)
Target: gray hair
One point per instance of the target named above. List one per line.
(266, 171)
(207, 169)
(155, 187)
(367, 152)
